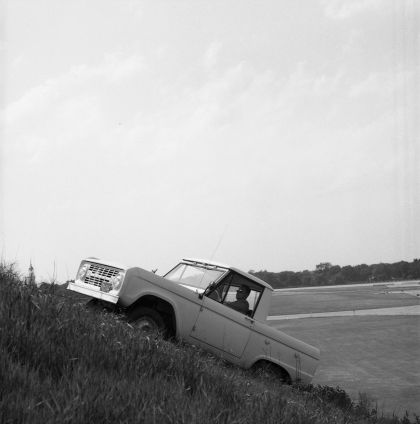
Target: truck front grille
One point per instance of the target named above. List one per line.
(98, 275)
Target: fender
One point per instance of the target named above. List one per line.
(159, 295)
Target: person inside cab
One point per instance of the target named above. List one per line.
(241, 304)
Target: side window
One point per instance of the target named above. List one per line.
(253, 299)
(238, 293)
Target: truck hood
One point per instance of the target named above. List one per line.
(192, 288)
(105, 262)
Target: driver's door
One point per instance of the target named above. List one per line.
(222, 328)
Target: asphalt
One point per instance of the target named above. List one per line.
(404, 310)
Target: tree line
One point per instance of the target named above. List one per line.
(327, 274)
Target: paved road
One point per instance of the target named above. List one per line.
(405, 310)
(369, 336)
(411, 283)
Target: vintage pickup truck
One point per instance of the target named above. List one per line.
(218, 307)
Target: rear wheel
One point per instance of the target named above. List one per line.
(270, 371)
(147, 320)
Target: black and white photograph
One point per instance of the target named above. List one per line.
(210, 211)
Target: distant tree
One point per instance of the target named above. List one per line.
(400, 270)
(335, 269)
(306, 278)
(323, 266)
(325, 273)
(380, 272)
(415, 269)
(362, 273)
(338, 279)
(349, 274)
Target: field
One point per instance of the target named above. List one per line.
(378, 355)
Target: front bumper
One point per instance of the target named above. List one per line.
(93, 292)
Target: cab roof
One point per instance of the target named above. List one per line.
(206, 262)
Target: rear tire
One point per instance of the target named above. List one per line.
(147, 320)
(270, 371)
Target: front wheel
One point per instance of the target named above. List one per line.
(147, 320)
(96, 305)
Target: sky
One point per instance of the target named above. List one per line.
(268, 135)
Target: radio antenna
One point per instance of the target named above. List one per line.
(219, 242)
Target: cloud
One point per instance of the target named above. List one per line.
(212, 54)
(235, 110)
(113, 70)
(302, 82)
(135, 8)
(380, 83)
(18, 62)
(69, 117)
(344, 9)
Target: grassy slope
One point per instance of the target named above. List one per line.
(61, 363)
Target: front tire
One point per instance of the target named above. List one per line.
(147, 320)
(96, 305)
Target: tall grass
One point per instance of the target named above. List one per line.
(61, 363)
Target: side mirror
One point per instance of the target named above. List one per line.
(210, 287)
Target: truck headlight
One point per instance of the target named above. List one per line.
(81, 274)
(117, 280)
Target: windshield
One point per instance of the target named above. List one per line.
(197, 276)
